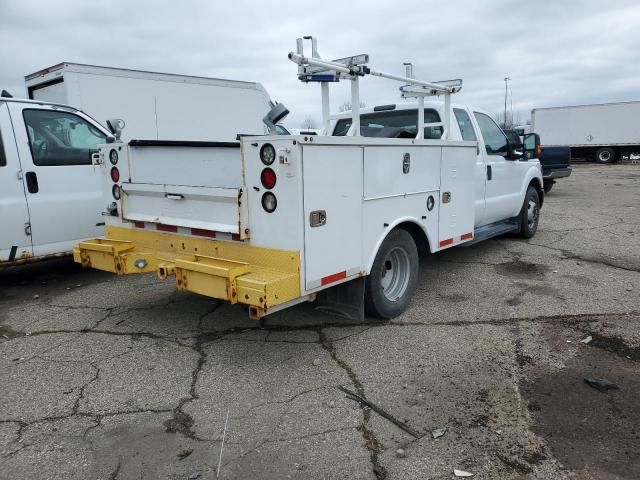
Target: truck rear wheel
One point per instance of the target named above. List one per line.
(530, 214)
(605, 155)
(392, 281)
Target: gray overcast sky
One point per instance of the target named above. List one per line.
(556, 53)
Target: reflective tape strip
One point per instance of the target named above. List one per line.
(166, 228)
(333, 277)
(467, 236)
(139, 224)
(203, 233)
(448, 241)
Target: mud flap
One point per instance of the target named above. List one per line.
(345, 300)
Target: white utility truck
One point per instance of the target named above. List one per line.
(155, 105)
(601, 132)
(296, 215)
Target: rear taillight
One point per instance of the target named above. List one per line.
(538, 150)
(268, 178)
(115, 191)
(269, 202)
(115, 174)
(113, 156)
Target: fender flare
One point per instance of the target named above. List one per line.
(399, 222)
(533, 174)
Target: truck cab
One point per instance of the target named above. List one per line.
(503, 171)
(50, 192)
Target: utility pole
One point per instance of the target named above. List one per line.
(506, 84)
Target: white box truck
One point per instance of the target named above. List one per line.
(601, 132)
(155, 105)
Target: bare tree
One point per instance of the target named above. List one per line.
(346, 106)
(309, 122)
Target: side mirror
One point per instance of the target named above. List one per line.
(115, 126)
(514, 151)
(531, 142)
(276, 114)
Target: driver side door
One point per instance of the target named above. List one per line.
(62, 187)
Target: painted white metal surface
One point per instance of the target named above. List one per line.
(332, 184)
(457, 195)
(588, 125)
(66, 208)
(190, 166)
(157, 105)
(205, 208)
(13, 200)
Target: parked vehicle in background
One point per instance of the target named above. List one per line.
(156, 105)
(49, 191)
(600, 132)
(555, 160)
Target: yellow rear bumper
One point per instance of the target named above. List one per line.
(231, 271)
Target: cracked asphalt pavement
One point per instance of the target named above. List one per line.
(122, 378)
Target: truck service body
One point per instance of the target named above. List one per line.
(293, 216)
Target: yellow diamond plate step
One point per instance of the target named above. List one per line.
(232, 271)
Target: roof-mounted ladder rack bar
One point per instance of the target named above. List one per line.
(316, 69)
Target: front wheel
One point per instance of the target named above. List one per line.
(530, 213)
(393, 279)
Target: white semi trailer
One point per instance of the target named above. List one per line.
(601, 132)
(155, 105)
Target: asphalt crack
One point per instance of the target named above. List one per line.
(371, 442)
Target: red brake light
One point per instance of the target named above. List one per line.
(538, 150)
(115, 174)
(268, 178)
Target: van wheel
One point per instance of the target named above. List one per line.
(605, 155)
(392, 281)
(530, 214)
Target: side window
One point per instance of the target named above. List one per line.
(464, 122)
(494, 139)
(3, 158)
(60, 138)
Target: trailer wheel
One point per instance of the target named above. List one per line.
(530, 214)
(606, 155)
(392, 281)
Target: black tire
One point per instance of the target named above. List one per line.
(387, 297)
(605, 155)
(530, 214)
(548, 185)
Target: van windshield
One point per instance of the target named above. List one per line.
(392, 124)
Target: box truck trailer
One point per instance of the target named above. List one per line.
(155, 105)
(601, 132)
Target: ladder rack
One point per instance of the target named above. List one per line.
(316, 69)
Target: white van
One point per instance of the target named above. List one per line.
(49, 191)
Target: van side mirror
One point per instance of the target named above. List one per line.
(531, 142)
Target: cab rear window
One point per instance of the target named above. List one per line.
(392, 124)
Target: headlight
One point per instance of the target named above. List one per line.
(267, 154)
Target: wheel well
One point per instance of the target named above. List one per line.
(535, 183)
(418, 235)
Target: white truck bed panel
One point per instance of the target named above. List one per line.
(214, 209)
(383, 171)
(195, 166)
(332, 183)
